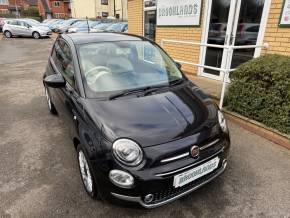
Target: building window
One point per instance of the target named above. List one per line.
(104, 2)
(117, 16)
(105, 14)
(58, 15)
(4, 11)
(149, 3)
(56, 4)
(4, 2)
(150, 19)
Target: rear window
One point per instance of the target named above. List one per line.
(12, 22)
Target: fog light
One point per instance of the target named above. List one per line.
(225, 162)
(148, 198)
(121, 178)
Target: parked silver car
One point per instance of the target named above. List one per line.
(25, 27)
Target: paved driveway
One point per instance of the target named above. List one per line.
(39, 175)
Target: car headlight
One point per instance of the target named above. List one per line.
(127, 152)
(222, 122)
(121, 178)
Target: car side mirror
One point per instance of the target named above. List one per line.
(178, 65)
(55, 81)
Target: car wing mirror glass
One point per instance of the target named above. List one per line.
(55, 81)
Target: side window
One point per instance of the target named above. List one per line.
(21, 23)
(13, 22)
(26, 24)
(62, 58)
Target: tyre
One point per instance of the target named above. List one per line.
(36, 35)
(87, 176)
(51, 107)
(8, 34)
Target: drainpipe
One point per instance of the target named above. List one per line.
(16, 8)
(115, 8)
(122, 10)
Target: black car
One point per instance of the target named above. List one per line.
(143, 132)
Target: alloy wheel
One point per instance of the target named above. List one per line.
(36, 35)
(7, 34)
(85, 172)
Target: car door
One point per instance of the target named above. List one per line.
(27, 31)
(20, 28)
(66, 100)
(14, 27)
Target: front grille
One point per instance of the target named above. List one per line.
(186, 152)
(171, 192)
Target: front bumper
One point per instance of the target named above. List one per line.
(174, 196)
(48, 33)
(157, 178)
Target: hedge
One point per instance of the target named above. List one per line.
(260, 90)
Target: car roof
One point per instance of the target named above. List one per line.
(84, 38)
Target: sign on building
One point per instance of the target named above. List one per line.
(178, 13)
(285, 14)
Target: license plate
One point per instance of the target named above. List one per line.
(195, 173)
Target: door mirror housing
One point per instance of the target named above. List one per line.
(178, 65)
(55, 81)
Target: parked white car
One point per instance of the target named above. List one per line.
(25, 27)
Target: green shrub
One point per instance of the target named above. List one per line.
(260, 90)
(31, 12)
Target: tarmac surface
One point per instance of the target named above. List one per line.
(39, 174)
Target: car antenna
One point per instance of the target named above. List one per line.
(88, 24)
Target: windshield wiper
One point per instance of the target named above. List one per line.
(125, 93)
(176, 82)
(145, 90)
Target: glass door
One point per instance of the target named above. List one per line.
(248, 27)
(150, 19)
(235, 22)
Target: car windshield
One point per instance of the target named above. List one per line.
(32, 23)
(118, 27)
(112, 67)
(95, 23)
(84, 24)
(58, 22)
(103, 26)
(68, 22)
(79, 23)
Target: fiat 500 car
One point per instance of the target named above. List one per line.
(143, 132)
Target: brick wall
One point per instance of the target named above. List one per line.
(277, 37)
(135, 17)
(62, 9)
(179, 51)
(40, 8)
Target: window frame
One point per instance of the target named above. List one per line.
(104, 2)
(4, 2)
(105, 13)
(72, 82)
(56, 4)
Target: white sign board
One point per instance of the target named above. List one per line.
(178, 12)
(285, 15)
